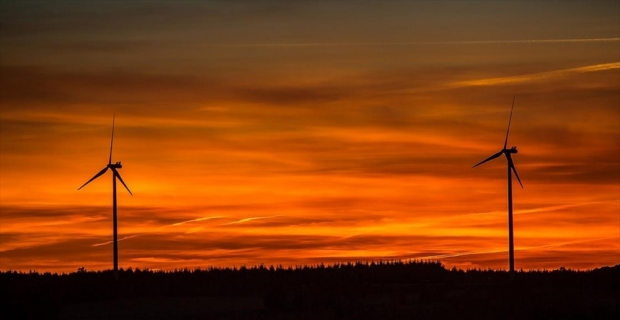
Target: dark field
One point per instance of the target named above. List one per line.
(381, 290)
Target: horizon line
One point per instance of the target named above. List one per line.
(316, 265)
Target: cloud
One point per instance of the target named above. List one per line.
(247, 219)
(196, 220)
(414, 43)
(546, 256)
(537, 76)
(119, 240)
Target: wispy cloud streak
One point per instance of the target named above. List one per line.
(469, 253)
(415, 43)
(121, 239)
(537, 76)
(194, 220)
(248, 219)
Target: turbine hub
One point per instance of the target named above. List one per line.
(116, 165)
(513, 150)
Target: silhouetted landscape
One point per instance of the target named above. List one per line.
(362, 290)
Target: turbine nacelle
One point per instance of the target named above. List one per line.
(117, 165)
(511, 150)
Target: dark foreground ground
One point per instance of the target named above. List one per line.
(384, 290)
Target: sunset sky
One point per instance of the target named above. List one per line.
(298, 132)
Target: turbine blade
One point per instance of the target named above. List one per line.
(112, 140)
(117, 175)
(509, 120)
(512, 166)
(488, 159)
(95, 177)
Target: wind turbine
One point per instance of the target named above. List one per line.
(511, 167)
(115, 175)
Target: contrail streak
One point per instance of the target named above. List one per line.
(124, 238)
(536, 76)
(410, 43)
(469, 253)
(162, 227)
(539, 209)
(193, 220)
(192, 230)
(247, 219)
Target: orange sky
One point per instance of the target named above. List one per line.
(303, 133)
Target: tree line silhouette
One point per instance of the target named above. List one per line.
(360, 290)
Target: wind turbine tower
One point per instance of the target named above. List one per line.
(115, 175)
(511, 168)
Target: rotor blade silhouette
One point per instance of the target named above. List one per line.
(116, 174)
(488, 159)
(512, 166)
(112, 140)
(95, 177)
(509, 120)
